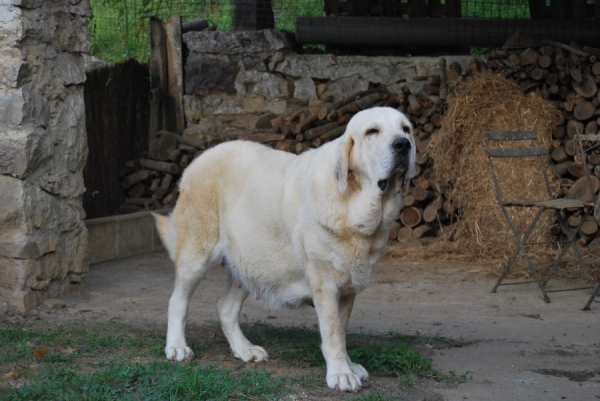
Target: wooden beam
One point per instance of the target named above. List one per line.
(175, 75)
(157, 64)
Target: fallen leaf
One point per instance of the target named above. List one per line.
(65, 351)
(12, 375)
(39, 352)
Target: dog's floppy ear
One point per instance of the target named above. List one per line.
(410, 173)
(342, 165)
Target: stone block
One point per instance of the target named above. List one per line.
(13, 69)
(76, 250)
(240, 105)
(207, 127)
(62, 184)
(9, 273)
(21, 301)
(31, 4)
(245, 122)
(72, 36)
(103, 238)
(70, 69)
(10, 24)
(67, 128)
(204, 76)
(254, 62)
(277, 106)
(79, 7)
(20, 152)
(135, 235)
(12, 105)
(219, 42)
(345, 87)
(305, 89)
(200, 107)
(263, 84)
(54, 303)
(380, 70)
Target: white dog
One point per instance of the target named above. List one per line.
(290, 230)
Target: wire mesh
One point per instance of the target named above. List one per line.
(119, 29)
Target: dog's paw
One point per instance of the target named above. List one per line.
(359, 371)
(344, 381)
(179, 354)
(253, 353)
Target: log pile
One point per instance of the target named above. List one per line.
(568, 76)
(150, 183)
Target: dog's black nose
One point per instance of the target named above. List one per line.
(401, 145)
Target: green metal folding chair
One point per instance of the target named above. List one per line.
(550, 203)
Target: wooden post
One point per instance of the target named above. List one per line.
(158, 77)
(175, 74)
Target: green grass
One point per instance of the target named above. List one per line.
(119, 29)
(151, 381)
(495, 9)
(389, 354)
(113, 361)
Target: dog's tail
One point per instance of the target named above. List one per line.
(165, 231)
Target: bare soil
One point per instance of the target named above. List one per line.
(519, 348)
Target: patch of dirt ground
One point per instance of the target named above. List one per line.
(517, 346)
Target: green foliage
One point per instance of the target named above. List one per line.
(390, 359)
(388, 354)
(120, 28)
(112, 361)
(495, 9)
(152, 381)
(373, 397)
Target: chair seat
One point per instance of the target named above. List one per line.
(561, 203)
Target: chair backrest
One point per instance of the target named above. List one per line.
(525, 151)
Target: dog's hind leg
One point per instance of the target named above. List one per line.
(228, 308)
(191, 268)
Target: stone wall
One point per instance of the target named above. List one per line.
(235, 81)
(43, 149)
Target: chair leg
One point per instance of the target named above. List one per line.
(571, 244)
(594, 295)
(521, 248)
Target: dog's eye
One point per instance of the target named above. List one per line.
(372, 131)
(406, 129)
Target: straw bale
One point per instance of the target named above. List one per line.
(488, 102)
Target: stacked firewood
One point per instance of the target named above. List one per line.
(568, 76)
(150, 183)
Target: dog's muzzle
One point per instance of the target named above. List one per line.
(401, 149)
(401, 152)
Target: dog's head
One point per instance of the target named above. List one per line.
(378, 149)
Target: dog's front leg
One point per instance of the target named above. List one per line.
(326, 299)
(346, 304)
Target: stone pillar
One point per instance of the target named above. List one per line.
(43, 149)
